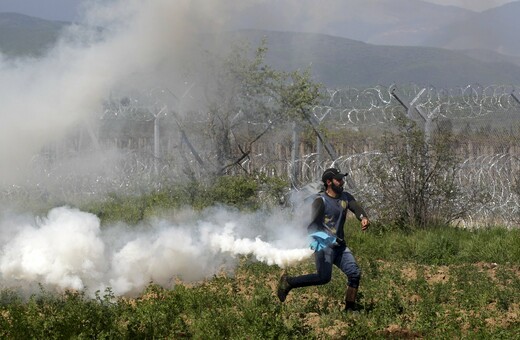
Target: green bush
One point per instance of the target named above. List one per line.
(242, 192)
(415, 179)
(235, 191)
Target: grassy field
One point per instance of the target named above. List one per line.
(441, 283)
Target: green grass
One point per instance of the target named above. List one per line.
(441, 245)
(441, 283)
(437, 283)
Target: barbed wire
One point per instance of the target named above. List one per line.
(138, 171)
(377, 105)
(494, 173)
(356, 106)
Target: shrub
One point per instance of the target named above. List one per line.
(415, 179)
(242, 192)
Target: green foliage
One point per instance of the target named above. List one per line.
(436, 249)
(53, 316)
(243, 192)
(236, 191)
(134, 209)
(241, 94)
(299, 94)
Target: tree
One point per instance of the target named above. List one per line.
(245, 98)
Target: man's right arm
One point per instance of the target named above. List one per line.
(317, 215)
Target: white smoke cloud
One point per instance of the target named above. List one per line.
(141, 44)
(64, 250)
(262, 251)
(69, 250)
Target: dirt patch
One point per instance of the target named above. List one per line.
(415, 298)
(510, 317)
(489, 268)
(338, 331)
(6, 316)
(397, 332)
(438, 276)
(312, 320)
(409, 273)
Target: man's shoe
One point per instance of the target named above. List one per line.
(352, 308)
(283, 288)
(350, 300)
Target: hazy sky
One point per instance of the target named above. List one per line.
(475, 5)
(67, 9)
(47, 9)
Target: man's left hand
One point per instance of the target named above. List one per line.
(365, 222)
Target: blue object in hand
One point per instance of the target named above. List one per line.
(320, 240)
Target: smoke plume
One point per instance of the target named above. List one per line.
(121, 45)
(68, 249)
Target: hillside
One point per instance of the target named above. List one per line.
(340, 62)
(491, 56)
(495, 29)
(334, 61)
(25, 35)
(382, 22)
(396, 23)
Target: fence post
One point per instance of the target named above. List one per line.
(295, 153)
(515, 96)
(157, 138)
(318, 151)
(411, 108)
(319, 143)
(156, 144)
(315, 126)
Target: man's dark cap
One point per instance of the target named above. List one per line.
(331, 173)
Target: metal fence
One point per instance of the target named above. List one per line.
(486, 121)
(158, 148)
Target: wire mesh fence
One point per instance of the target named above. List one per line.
(485, 120)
